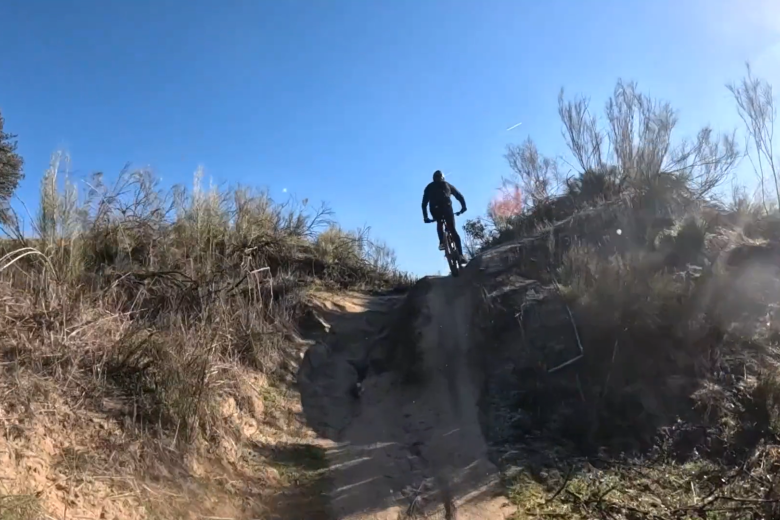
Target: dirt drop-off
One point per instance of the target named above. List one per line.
(412, 443)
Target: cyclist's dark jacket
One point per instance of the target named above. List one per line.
(438, 195)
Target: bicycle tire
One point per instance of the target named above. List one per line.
(450, 252)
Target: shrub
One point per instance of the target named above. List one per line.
(635, 160)
(158, 297)
(11, 171)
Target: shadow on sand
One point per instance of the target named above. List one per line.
(400, 450)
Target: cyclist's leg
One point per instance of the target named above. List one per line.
(437, 216)
(450, 216)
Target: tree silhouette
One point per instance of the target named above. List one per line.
(10, 170)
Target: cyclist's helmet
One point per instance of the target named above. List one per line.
(438, 176)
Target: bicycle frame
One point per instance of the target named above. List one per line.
(450, 249)
(450, 246)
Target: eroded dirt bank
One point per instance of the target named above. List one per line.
(412, 444)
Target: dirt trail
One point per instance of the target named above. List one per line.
(401, 450)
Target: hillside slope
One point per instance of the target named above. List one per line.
(574, 373)
(148, 346)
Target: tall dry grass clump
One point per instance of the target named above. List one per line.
(152, 299)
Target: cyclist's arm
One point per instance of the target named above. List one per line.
(425, 200)
(459, 196)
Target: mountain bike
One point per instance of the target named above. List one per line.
(450, 247)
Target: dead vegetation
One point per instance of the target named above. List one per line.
(148, 341)
(644, 381)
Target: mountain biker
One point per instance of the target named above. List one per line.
(438, 193)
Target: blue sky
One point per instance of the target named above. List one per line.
(354, 102)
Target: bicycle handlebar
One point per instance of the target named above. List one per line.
(458, 213)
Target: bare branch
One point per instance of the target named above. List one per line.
(538, 176)
(640, 131)
(706, 163)
(755, 106)
(580, 130)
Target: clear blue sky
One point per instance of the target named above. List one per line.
(354, 102)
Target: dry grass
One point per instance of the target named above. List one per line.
(19, 507)
(148, 341)
(651, 489)
(672, 411)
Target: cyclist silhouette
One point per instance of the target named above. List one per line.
(437, 194)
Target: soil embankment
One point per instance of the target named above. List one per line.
(412, 444)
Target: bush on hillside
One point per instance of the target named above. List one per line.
(662, 358)
(640, 290)
(160, 297)
(133, 225)
(10, 170)
(634, 160)
(647, 352)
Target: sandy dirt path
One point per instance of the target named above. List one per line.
(401, 451)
